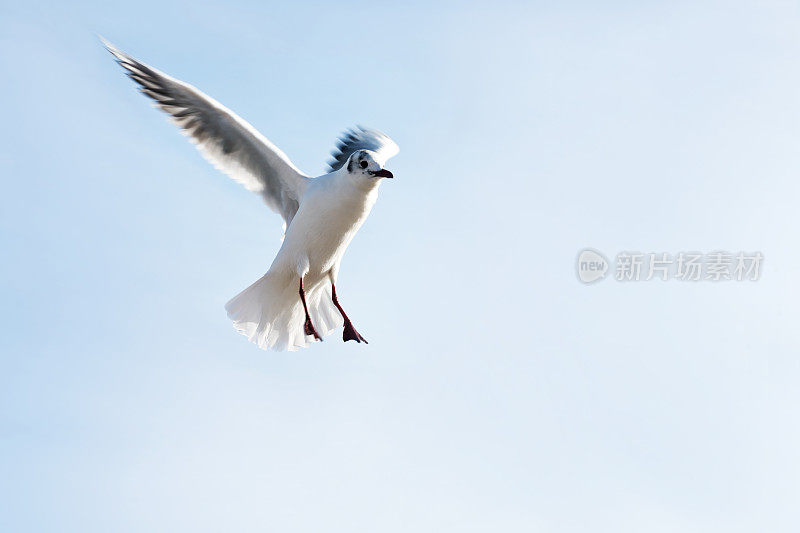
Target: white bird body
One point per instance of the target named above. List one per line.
(331, 211)
(295, 302)
(269, 312)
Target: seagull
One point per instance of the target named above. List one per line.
(295, 303)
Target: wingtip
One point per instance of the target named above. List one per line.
(105, 42)
(113, 50)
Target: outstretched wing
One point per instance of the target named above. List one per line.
(227, 141)
(360, 138)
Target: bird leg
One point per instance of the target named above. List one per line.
(308, 327)
(350, 333)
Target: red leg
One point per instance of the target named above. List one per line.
(350, 333)
(308, 327)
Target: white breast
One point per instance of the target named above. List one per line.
(330, 213)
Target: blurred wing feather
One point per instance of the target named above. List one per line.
(360, 138)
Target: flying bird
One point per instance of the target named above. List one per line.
(295, 302)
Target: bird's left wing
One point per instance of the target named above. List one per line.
(230, 143)
(361, 138)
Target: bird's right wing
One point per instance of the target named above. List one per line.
(227, 141)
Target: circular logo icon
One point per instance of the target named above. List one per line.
(592, 266)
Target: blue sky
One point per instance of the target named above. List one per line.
(497, 392)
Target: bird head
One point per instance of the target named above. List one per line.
(363, 164)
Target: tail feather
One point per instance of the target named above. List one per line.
(269, 312)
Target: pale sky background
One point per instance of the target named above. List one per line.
(497, 392)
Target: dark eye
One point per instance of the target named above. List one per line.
(364, 164)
